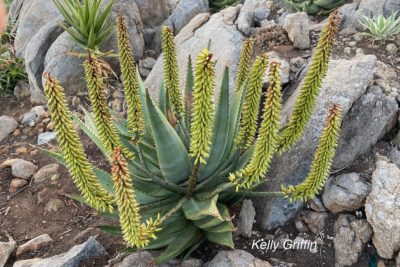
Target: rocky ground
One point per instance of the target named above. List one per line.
(354, 222)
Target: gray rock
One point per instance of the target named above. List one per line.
(260, 14)
(33, 16)
(392, 49)
(152, 12)
(226, 42)
(185, 11)
(46, 137)
(63, 65)
(245, 18)
(284, 72)
(8, 125)
(22, 90)
(394, 156)
(138, 259)
(40, 111)
(315, 220)
(246, 218)
(15, 10)
(348, 11)
(6, 249)
(29, 117)
(346, 192)
(382, 208)
(346, 81)
(34, 244)
(46, 172)
(351, 235)
(230, 14)
(35, 55)
(316, 205)
(23, 169)
(371, 117)
(236, 258)
(298, 29)
(72, 258)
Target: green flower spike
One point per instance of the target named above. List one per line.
(322, 159)
(244, 63)
(72, 149)
(135, 233)
(171, 73)
(106, 130)
(129, 79)
(248, 122)
(203, 107)
(312, 83)
(265, 146)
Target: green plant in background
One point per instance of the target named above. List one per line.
(315, 7)
(173, 178)
(86, 22)
(381, 28)
(12, 70)
(221, 4)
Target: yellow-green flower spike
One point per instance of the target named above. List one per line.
(129, 79)
(266, 142)
(311, 86)
(106, 130)
(248, 122)
(244, 63)
(171, 73)
(72, 149)
(135, 233)
(203, 107)
(323, 158)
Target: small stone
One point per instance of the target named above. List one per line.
(260, 13)
(236, 258)
(347, 51)
(191, 262)
(76, 101)
(247, 215)
(34, 152)
(298, 29)
(40, 111)
(29, 117)
(50, 126)
(315, 220)
(21, 150)
(392, 49)
(8, 125)
(269, 4)
(21, 91)
(317, 205)
(54, 205)
(117, 104)
(359, 52)
(140, 259)
(23, 169)
(352, 43)
(358, 37)
(17, 132)
(117, 94)
(301, 226)
(17, 184)
(46, 137)
(34, 244)
(46, 172)
(148, 62)
(230, 14)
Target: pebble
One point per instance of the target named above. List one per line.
(29, 118)
(352, 43)
(46, 137)
(21, 150)
(34, 244)
(23, 169)
(17, 184)
(46, 172)
(392, 49)
(8, 125)
(54, 205)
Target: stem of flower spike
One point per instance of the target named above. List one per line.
(193, 180)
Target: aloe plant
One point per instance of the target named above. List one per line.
(86, 22)
(314, 7)
(178, 165)
(381, 28)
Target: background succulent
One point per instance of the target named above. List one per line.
(381, 28)
(178, 165)
(313, 7)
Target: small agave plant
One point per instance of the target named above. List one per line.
(177, 165)
(315, 7)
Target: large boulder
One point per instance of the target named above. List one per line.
(298, 29)
(226, 42)
(34, 57)
(34, 14)
(345, 83)
(61, 59)
(351, 236)
(382, 208)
